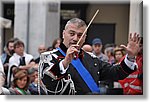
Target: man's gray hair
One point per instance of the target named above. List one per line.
(79, 22)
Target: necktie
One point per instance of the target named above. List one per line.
(22, 61)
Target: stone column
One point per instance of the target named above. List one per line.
(0, 28)
(53, 22)
(21, 21)
(37, 22)
(37, 26)
(136, 17)
(44, 24)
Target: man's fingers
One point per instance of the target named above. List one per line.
(124, 47)
(75, 46)
(130, 37)
(73, 51)
(137, 38)
(134, 37)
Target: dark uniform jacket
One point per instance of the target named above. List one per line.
(100, 71)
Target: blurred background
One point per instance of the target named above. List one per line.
(42, 21)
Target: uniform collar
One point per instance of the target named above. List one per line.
(63, 47)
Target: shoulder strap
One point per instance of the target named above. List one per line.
(20, 91)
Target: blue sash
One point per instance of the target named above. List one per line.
(86, 76)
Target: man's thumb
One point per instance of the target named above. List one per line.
(124, 47)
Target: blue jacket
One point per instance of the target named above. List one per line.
(3, 57)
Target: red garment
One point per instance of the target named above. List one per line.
(133, 85)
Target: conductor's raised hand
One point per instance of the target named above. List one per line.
(133, 45)
(71, 52)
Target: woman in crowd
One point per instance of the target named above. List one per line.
(20, 83)
(118, 54)
(56, 43)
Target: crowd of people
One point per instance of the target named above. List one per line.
(20, 69)
(67, 68)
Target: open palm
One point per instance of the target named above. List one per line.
(133, 45)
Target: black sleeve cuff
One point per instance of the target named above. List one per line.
(126, 69)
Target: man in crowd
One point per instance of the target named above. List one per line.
(87, 48)
(20, 59)
(133, 84)
(8, 52)
(41, 49)
(97, 49)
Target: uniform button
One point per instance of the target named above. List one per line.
(99, 82)
(95, 64)
(55, 77)
(98, 73)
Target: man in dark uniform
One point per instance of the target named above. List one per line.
(62, 73)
